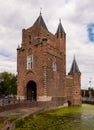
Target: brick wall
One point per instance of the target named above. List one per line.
(28, 104)
(74, 88)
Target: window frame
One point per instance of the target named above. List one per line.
(29, 62)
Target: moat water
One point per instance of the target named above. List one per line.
(71, 118)
(78, 118)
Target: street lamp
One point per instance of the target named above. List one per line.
(90, 82)
(1, 80)
(91, 89)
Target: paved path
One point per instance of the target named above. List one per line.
(24, 111)
(19, 110)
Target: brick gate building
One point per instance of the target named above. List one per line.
(41, 66)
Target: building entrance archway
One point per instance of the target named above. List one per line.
(69, 103)
(31, 91)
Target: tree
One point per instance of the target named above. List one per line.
(90, 90)
(8, 85)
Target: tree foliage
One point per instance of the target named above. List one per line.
(8, 83)
(91, 91)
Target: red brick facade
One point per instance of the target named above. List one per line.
(41, 65)
(73, 83)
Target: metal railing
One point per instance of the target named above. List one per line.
(8, 101)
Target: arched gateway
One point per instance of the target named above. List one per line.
(31, 90)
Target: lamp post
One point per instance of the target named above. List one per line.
(1, 80)
(90, 82)
(90, 87)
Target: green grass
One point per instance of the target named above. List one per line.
(63, 111)
(1, 124)
(1, 121)
(13, 116)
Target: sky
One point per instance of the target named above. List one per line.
(77, 18)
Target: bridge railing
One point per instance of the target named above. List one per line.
(88, 100)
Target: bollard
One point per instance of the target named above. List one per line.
(19, 100)
(2, 102)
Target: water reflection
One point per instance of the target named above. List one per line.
(87, 117)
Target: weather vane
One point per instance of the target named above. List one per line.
(60, 20)
(40, 10)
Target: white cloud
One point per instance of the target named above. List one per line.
(75, 16)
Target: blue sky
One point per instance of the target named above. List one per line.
(91, 32)
(77, 18)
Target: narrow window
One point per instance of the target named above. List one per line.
(61, 35)
(57, 35)
(29, 39)
(29, 62)
(29, 42)
(54, 66)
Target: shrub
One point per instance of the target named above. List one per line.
(19, 123)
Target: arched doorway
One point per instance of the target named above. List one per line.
(31, 91)
(69, 103)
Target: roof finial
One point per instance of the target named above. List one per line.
(60, 20)
(74, 56)
(40, 10)
(60, 28)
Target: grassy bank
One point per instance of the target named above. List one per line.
(1, 121)
(50, 120)
(9, 118)
(1, 124)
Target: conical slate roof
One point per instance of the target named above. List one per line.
(60, 28)
(41, 21)
(74, 67)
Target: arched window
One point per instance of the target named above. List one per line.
(29, 62)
